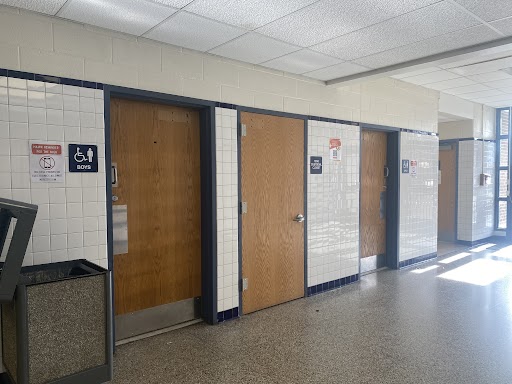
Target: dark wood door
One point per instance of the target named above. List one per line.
(373, 184)
(447, 188)
(156, 148)
(272, 166)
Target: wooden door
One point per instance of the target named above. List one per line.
(272, 166)
(156, 148)
(373, 183)
(446, 217)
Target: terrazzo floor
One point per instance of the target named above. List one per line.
(446, 321)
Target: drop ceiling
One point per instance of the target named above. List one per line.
(321, 39)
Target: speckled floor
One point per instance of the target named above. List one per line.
(411, 326)
(445, 248)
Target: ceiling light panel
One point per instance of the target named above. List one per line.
(459, 91)
(50, 7)
(301, 61)
(448, 84)
(336, 71)
(488, 10)
(254, 48)
(327, 19)
(133, 17)
(249, 14)
(415, 26)
(194, 32)
(432, 46)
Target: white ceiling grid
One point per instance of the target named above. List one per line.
(322, 39)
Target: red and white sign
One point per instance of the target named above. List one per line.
(335, 149)
(46, 163)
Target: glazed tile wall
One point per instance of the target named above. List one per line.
(227, 208)
(71, 221)
(333, 204)
(475, 202)
(418, 196)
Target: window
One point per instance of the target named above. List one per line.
(502, 172)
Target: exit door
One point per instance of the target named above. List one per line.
(156, 215)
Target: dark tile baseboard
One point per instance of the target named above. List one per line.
(416, 260)
(226, 315)
(330, 285)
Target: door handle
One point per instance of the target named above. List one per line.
(115, 182)
(299, 218)
(386, 172)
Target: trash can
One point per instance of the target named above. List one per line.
(57, 328)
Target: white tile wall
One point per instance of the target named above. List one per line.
(71, 221)
(227, 208)
(475, 217)
(333, 204)
(418, 196)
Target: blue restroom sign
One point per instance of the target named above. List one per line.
(83, 158)
(405, 166)
(316, 165)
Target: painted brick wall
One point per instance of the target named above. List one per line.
(71, 220)
(333, 204)
(35, 43)
(418, 196)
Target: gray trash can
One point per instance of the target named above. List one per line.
(57, 328)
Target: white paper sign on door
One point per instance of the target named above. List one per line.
(46, 162)
(414, 167)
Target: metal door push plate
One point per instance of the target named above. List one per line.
(120, 228)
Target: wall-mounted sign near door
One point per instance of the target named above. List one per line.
(315, 165)
(83, 158)
(405, 166)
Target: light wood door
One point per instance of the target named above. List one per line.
(156, 148)
(373, 183)
(446, 218)
(272, 166)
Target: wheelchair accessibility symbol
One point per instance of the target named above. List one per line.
(83, 158)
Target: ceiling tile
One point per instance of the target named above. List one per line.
(194, 32)
(173, 3)
(249, 14)
(438, 44)
(484, 66)
(50, 7)
(336, 71)
(500, 84)
(491, 76)
(454, 83)
(488, 10)
(467, 89)
(254, 48)
(478, 95)
(493, 99)
(504, 25)
(415, 26)
(432, 77)
(133, 17)
(501, 104)
(302, 61)
(331, 18)
(415, 72)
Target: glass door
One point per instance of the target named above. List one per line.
(503, 201)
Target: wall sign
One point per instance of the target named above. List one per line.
(83, 158)
(315, 165)
(335, 149)
(405, 166)
(414, 167)
(46, 163)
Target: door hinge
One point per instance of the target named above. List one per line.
(244, 284)
(243, 130)
(243, 207)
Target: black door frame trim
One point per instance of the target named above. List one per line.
(208, 186)
(392, 195)
(304, 118)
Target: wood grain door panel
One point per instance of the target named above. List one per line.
(272, 166)
(156, 148)
(373, 161)
(446, 204)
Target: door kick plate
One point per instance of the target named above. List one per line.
(120, 228)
